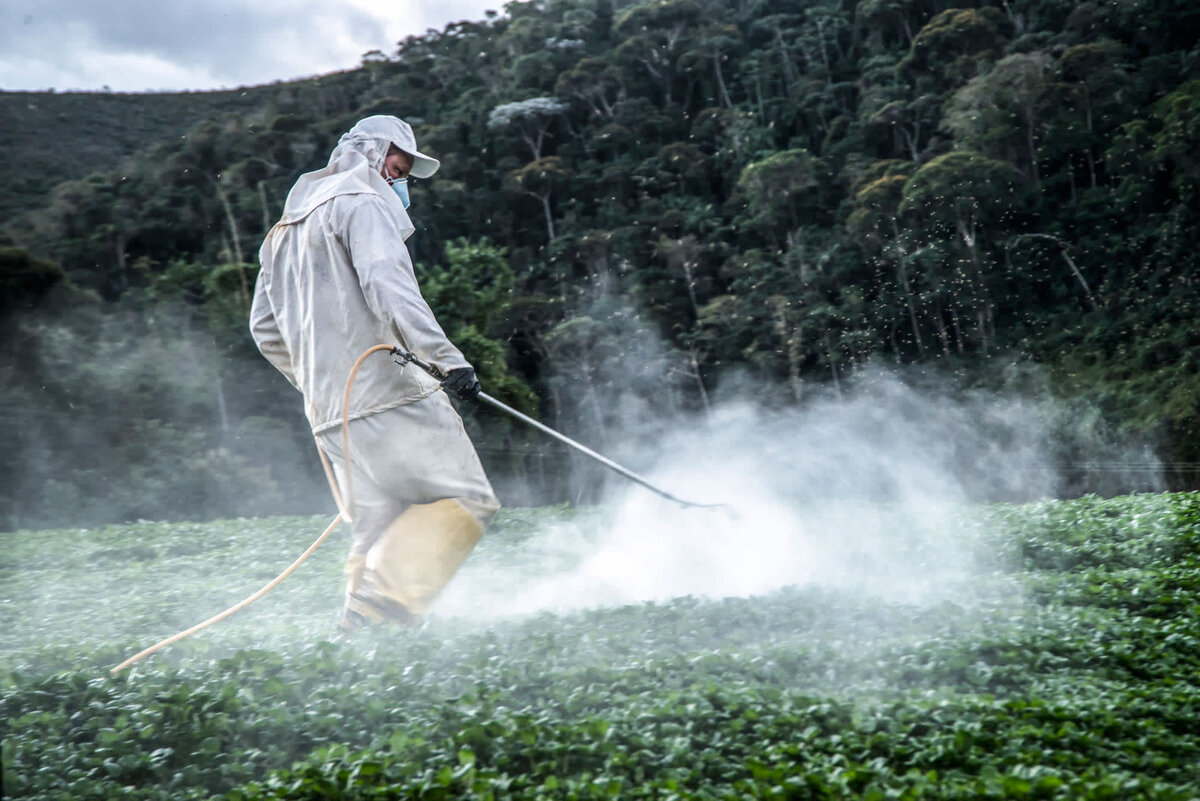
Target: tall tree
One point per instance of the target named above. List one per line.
(953, 41)
(874, 222)
(779, 188)
(655, 36)
(531, 119)
(538, 179)
(967, 196)
(596, 82)
(1093, 77)
(1003, 107)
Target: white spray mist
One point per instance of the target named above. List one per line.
(866, 491)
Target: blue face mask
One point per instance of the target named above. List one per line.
(400, 187)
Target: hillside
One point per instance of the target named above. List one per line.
(51, 137)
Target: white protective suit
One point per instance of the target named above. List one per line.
(337, 279)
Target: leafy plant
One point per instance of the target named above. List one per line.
(1065, 667)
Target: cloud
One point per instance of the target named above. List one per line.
(138, 45)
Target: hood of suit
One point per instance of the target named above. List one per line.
(355, 167)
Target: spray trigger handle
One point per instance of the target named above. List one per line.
(406, 357)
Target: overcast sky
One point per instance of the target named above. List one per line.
(140, 45)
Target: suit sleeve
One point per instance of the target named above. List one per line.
(265, 330)
(389, 284)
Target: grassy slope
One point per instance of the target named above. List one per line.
(1079, 680)
(50, 137)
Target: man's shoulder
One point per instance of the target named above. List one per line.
(362, 214)
(344, 206)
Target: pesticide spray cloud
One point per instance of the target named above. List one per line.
(128, 414)
(867, 491)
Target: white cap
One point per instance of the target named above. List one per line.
(397, 132)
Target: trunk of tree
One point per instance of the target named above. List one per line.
(602, 276)
(605, 106)
(789, 76)
(724, 93)
(943, 334)
(833, 371)
(699, 381)
(266, 209)
(958, 331)
(906, 286)
(663, 76)
(122, 262)
(690, 280)
(1074, 268)
(1017, 23)
(809, 61)
(762, 106)
(222, 406)
(243, 284)
(824, 53)
(1087, 113)
(556, 407)
(1031, 146)
(540, 462)
(686, 97)
(581, 467)
(534, 143)
(982, 300)
(1087, 290)
(788, 339)
(545, 199)
(593, 398)
(822, 123)
(911, 139)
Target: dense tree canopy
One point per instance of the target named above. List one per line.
(791, 188)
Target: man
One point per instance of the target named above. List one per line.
(336, 279)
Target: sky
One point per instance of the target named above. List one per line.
(173, 45)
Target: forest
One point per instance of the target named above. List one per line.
(645, 204)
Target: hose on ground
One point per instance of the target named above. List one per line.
(235, 608)
(345, 513)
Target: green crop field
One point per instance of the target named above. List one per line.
(1060, 660)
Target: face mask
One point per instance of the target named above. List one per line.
(400, 187)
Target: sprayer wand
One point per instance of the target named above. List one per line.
(404, 357)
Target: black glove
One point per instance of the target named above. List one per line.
(462, 383)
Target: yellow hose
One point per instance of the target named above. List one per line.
(344, 509)
(349, 505)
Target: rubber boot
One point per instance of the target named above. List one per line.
(413, 560)
(355, 565)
